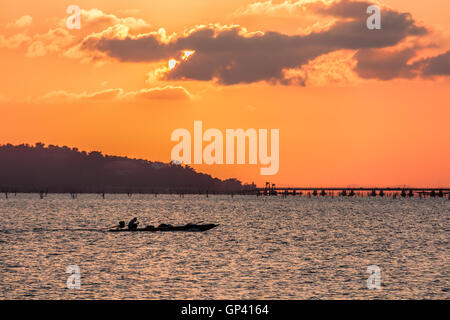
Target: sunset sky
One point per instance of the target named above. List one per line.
(354, 106)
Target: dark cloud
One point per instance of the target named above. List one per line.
(384, 64)
(436, 66)
(143, 49)
(231, 56)
(354, 34)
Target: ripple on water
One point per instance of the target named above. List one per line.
(265, 248)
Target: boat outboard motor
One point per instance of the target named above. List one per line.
(121, 224)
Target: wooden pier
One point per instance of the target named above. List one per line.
(272, 190)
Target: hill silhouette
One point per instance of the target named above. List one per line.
(25, 168)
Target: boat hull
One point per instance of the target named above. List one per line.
(194, 228)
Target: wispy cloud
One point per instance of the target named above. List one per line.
(14, 41)
(118, 95)
(59, 39)
(95, 20)
(269, 8)
(22, 22)
(160, 93)
(53, 41)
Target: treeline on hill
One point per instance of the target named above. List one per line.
(25, 168)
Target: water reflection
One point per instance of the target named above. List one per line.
(265, 248)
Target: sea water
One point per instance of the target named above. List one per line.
(264, 248)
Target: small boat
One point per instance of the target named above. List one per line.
(169, 228)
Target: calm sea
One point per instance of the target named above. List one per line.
(264, 248)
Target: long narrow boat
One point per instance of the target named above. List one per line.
(166, 228)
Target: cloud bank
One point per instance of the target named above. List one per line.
(232, 55)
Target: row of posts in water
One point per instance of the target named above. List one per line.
(291, 192)
(270, 189)
(353, 193)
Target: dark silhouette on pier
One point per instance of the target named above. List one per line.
(270, 189)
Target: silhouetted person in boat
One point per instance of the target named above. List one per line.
(133, 224)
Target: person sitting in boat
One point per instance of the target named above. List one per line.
(133, 224)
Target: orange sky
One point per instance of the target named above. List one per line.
(339, 129)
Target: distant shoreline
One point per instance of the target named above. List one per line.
(299, 192)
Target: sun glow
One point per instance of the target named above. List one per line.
(172, 63)
(187, 54)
